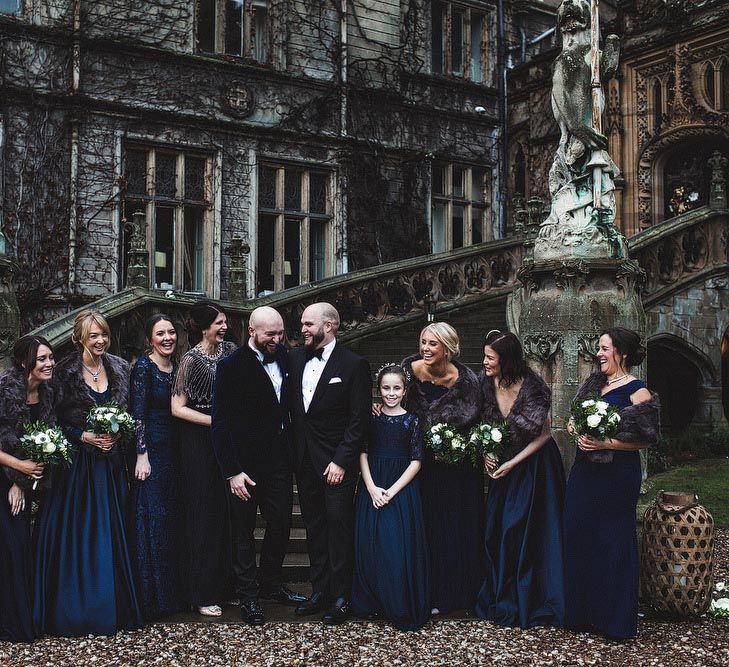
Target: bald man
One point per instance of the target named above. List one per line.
(331, 398)
(250, 430)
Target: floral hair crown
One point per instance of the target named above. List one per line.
(393, 367)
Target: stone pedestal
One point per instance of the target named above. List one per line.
(562, 307)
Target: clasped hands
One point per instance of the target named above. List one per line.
(104, 441)
(589, 444)
(380, 497)
(494, 470)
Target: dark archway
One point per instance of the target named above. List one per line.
(674, 374)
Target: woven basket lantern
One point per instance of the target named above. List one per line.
(677, 555)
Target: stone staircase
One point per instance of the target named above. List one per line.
(296, 563)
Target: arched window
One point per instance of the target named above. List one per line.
(709, 88)
(687, 175)
(724, 87)
(657, 95)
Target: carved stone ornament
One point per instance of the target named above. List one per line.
(629, 276)
(542, 346)
(239, 99)
(571, 274)
(587, 347)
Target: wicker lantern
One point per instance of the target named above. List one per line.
(677, 555)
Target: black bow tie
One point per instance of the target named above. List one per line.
(269, 359)
(310, 354)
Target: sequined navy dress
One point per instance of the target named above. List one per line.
(155, 502)
(391, 572)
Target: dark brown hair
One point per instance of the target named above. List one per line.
(511, 356)
(202, 315)
(392, 369)
(626, 342)
(25, 352)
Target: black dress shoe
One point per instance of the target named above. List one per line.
(283, 594)
(251, 612)
(313, 605)
(339, 613)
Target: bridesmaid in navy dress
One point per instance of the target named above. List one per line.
(523, 585)
(155, 488)
(85, 581)
(601, 550)
(28, 395)
(442, 389)
(391, 570)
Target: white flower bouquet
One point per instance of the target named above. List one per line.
(45, 444)
(719, 607)
(110, 418)
(597, 418)
(449, 444)
(489, 440)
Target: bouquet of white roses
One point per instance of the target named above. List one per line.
(719, 607)
(489, 439)
(45, 444)
(110, 418)
(448, 443)
(594, 417)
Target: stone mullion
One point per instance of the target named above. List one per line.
(304, 245)
(278, 240)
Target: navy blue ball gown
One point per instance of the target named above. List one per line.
(600, 540)
(524, 584)
(155, 502)
(391, 570)
(85, 581)
(16, 602)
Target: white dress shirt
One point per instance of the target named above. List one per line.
(312, 372)
(273, 370)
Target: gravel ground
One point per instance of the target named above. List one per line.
(699, 643)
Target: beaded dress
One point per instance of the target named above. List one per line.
(206, 533)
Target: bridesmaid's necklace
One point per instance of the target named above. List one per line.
(614, 380)
(94, 374)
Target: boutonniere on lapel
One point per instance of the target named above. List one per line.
(335, 380)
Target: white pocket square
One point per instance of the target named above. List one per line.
(335, 380)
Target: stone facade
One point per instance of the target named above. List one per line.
(108, 107)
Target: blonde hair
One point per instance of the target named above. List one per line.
(446, 335)
(82, 327)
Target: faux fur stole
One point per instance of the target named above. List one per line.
(459, 406)
(77, 401)
(14, 410)
(638, 423)
(527, 415)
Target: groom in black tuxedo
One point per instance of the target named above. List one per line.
(250, 431)
(330, 407)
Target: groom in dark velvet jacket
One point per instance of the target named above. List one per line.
(331, 399)
(250, 431)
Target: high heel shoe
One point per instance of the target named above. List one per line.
(210, 610)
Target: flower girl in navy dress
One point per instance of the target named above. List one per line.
(391, 571)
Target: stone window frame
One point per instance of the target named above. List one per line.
(656, 114)
(716, 99)
(255, 43)
(451, 200)
(446, 66)
(180, 205)
(303, 215)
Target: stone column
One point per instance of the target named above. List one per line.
(717, 196)
(138, 255)
(238, 252)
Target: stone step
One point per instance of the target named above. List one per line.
(296, 520)
(297, 540)
(295, 567)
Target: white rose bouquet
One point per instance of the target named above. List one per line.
(594, 417)
(110, 418)
(449, 444)
(489, 440)
(45, 444)
(719, 607)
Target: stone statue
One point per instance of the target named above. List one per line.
(581, 179)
